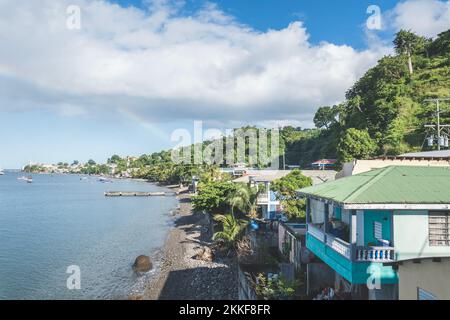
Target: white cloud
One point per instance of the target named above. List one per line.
(160, 65)
(425, 17)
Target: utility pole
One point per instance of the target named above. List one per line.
(438, 126)
(280, 128)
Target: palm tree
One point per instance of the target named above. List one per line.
(211, 173)
(245, 198)
(232, 228)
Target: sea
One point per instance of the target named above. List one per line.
(61, 238)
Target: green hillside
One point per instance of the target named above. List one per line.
(384, 112)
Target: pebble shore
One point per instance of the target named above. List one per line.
(181, 275)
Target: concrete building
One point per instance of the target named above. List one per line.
(437, 154)
(367, 227)
(424, 279)
(292, 243)
(360, 166)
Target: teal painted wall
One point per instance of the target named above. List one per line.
(371, 216)
(355, 272)
(337, 262)
(338, 213)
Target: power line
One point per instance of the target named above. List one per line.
(441, 141)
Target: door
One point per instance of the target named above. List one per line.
(360, 228)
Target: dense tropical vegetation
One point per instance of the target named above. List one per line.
(286, 191)
(384, 112)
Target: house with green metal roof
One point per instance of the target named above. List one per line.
(364, 226)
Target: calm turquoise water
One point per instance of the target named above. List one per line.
(60, 220)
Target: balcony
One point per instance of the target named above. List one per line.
(352, 253)
(316, 232)
(262, 200)
(375, 254)
(345, 241)
(340, 246)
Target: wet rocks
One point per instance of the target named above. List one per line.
(142, 264)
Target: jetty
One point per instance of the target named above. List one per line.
(138, 194)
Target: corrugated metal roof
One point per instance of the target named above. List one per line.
(389, 185)
(320, 176)
(427, 154)
(325, 161)
(262, 175)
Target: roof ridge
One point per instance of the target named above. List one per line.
(369, 183)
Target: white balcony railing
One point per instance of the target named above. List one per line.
(340, 246)
(316, 232)
(262, 200)
(375, 254)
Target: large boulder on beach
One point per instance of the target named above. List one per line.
(142, 264)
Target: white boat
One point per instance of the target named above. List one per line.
(29, 178)
(2, 172)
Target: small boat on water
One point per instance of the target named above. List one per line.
(2, 173)
(28, 179)
(104, 180)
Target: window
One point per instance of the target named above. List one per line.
(377, 230)
(438, 228)
(425, 295)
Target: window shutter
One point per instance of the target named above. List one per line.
(438, 228)
(377, 230)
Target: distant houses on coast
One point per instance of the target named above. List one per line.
(123, 170)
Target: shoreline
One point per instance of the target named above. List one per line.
(180, 275)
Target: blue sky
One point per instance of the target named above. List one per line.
(346, 17)
(135, 72)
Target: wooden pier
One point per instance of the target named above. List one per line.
(138, 194)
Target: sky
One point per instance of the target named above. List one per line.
(122, 75)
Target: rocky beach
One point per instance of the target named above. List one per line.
(188, 269)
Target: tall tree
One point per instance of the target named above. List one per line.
(286, 190)
(324, 117)
(408, 43)
(356, 144)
